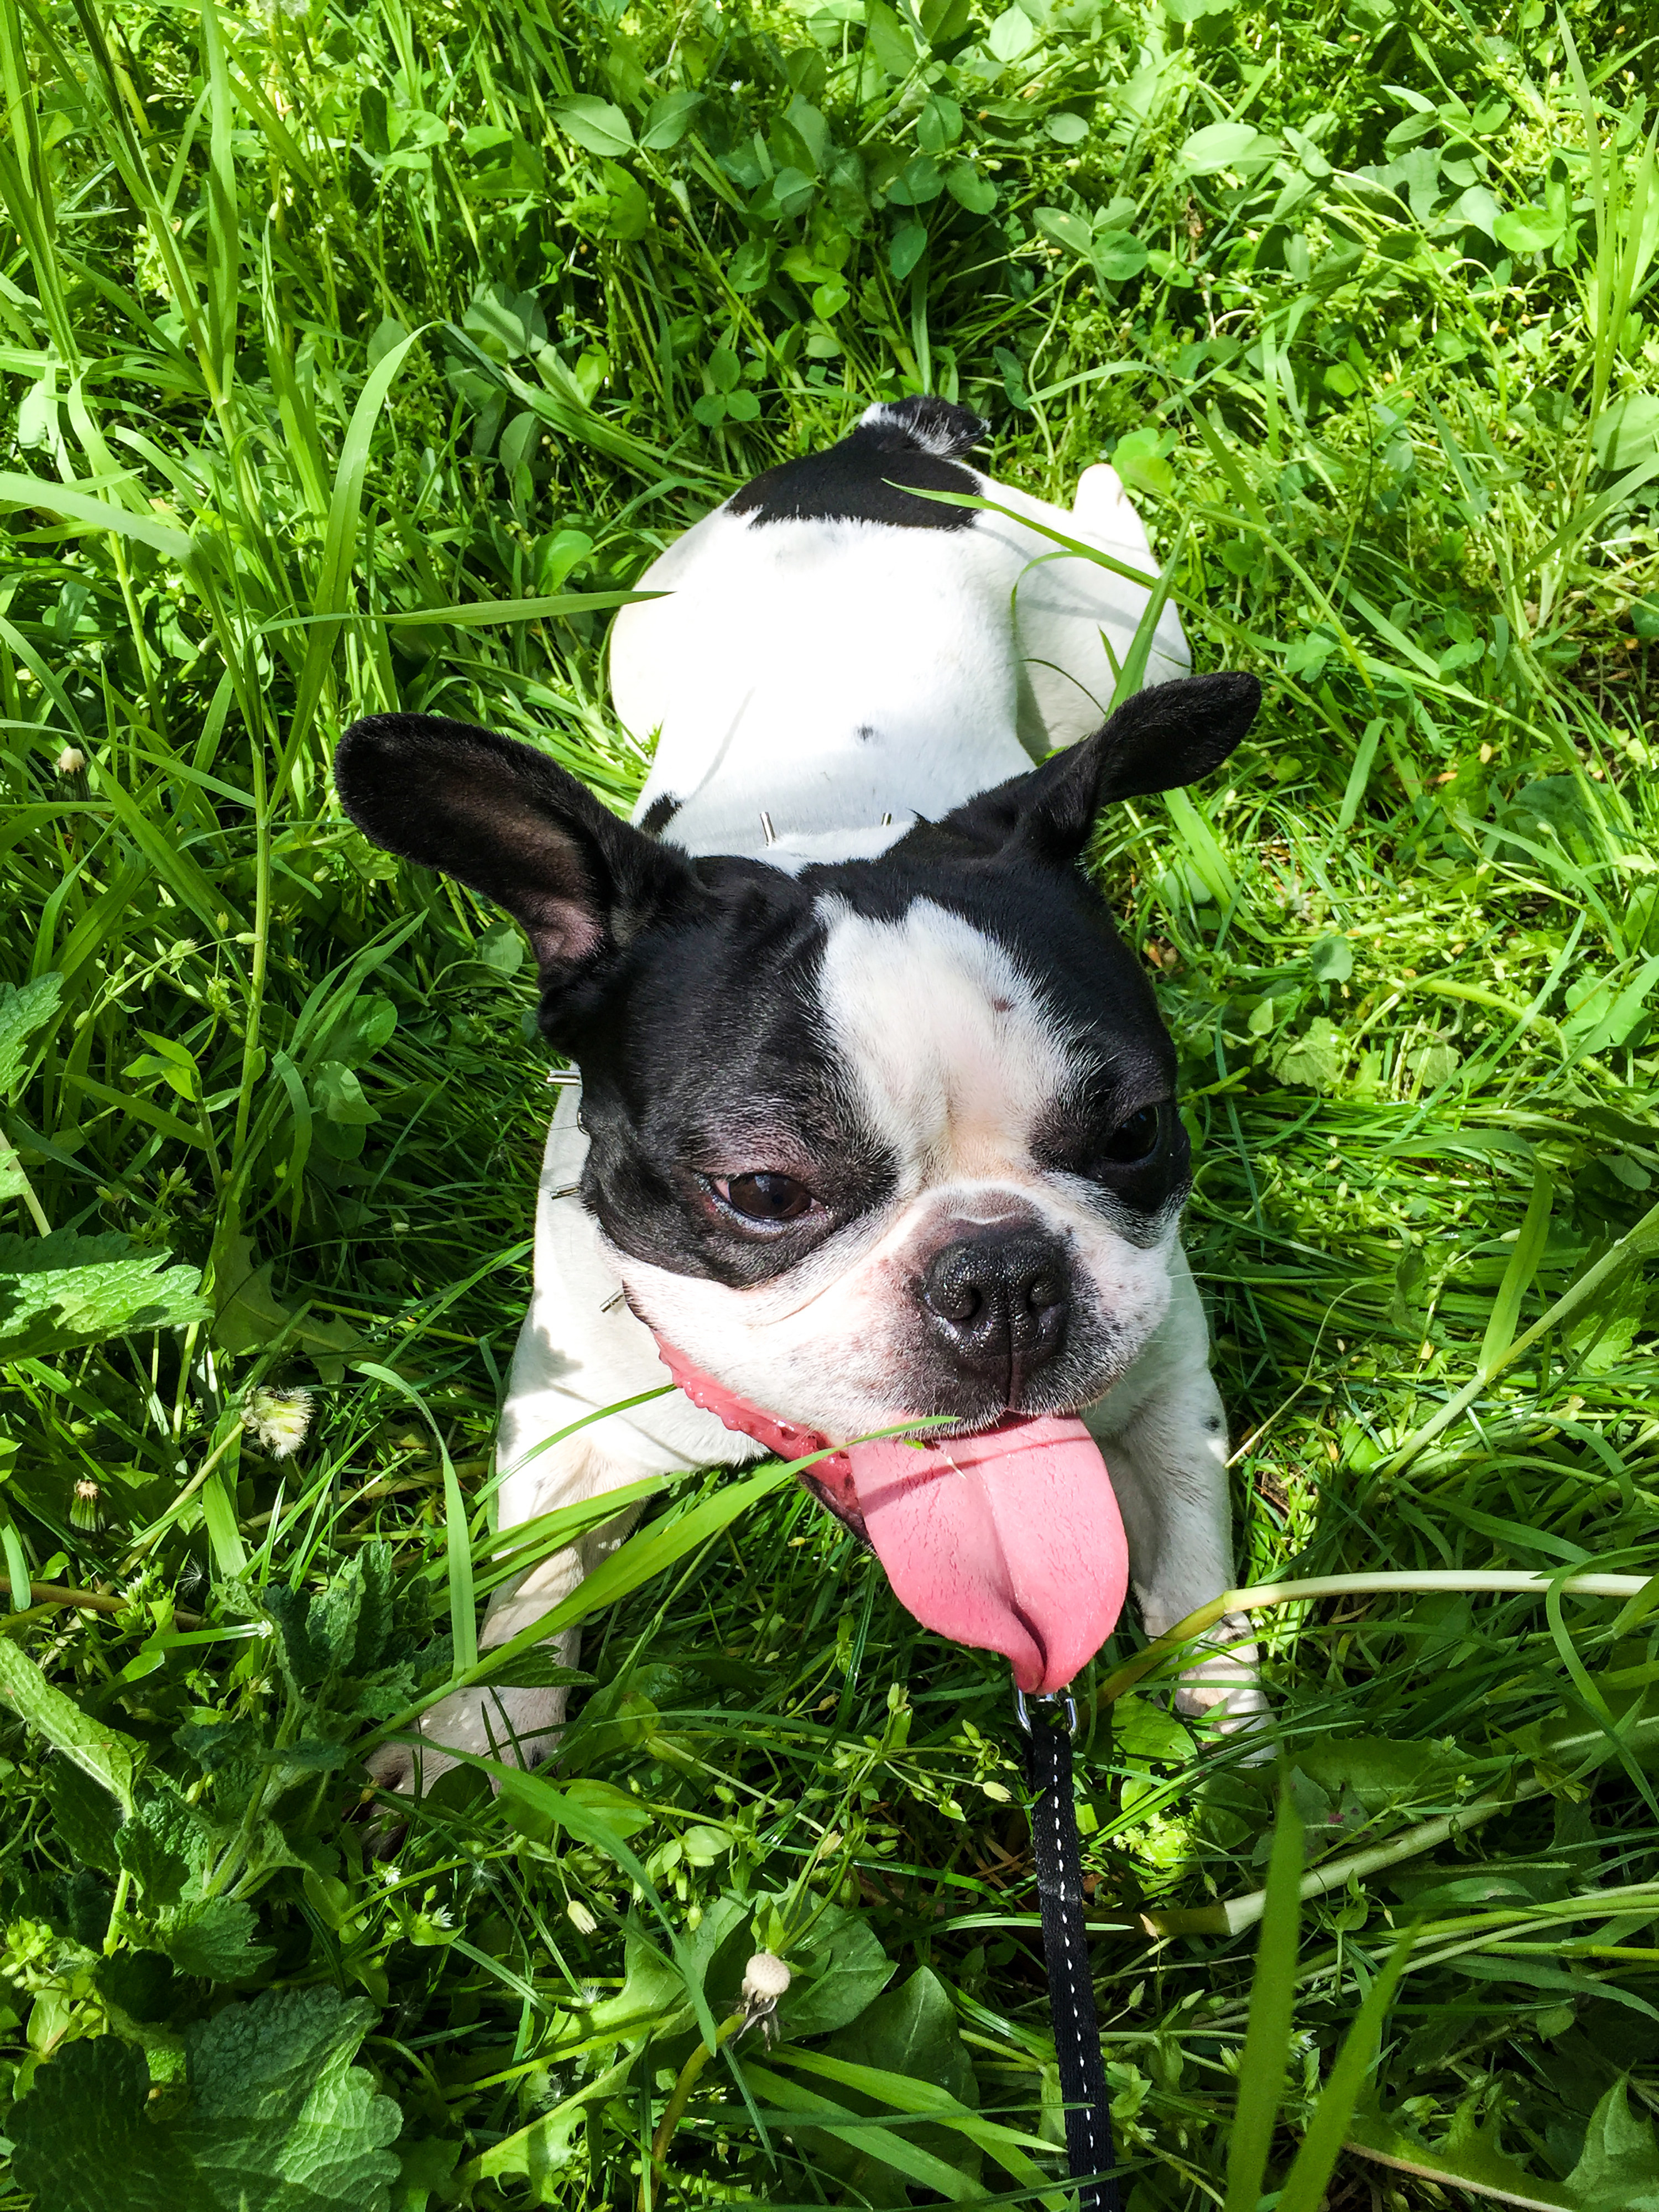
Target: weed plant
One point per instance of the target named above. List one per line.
(359, 356)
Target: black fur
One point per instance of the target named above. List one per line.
(687, 990)
(1160, 740)
(914, 441)
(658, 816)
(502, 818)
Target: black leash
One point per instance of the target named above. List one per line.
(1050, 1724)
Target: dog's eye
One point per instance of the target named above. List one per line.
(1135, 1140)
(765, 1197)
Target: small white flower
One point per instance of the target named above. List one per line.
(580, 1919)
(71, 760)
(766, 1980)
(278, 1419)
(86, 1509)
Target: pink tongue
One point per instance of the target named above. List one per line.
(1010, 1541)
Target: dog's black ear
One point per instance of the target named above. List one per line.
(1156, 741)
(502, 818)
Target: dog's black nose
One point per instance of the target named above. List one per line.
(1000, 1303)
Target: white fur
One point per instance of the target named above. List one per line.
(777, 644)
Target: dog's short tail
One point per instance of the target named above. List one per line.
(935, 426)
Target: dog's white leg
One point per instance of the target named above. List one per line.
(519, 1725)
(1165, 1437)
(580, 1352)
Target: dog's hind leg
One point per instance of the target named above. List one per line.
(1075, 618)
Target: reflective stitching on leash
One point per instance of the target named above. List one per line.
(1084, 2088)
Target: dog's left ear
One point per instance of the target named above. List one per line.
(1156, 741)
(503, 819)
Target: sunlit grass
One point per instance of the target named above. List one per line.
(359, 359)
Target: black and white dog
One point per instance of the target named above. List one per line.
(877, 1119)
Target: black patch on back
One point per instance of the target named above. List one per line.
(858, 480)
(938, 426)
(658, 816)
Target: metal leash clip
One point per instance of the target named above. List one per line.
(1021, 1713)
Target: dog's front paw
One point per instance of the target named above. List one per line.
(516, 1728)
(1224, 1685)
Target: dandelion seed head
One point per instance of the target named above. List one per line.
(278, 1420)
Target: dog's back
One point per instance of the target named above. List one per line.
(862, 653)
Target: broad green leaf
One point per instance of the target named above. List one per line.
(1065, 229)
(64, 1289)
(912, 2031)
(86, 1815)
(1331, 959)
(969, 189)
(1603, 1019)
(1626, 432)
(1117, 256)
(652, 1988)
(359, 1031)
(669, 120)
(545, 2146)
(336, 1090)
(214, 1939)
(595, 125)
(22, 1012)
(1619, 2169)
(1012, 34)
(275, 2118)
(1477, 207)
(1468, 2158)
(939, 124)
(1226, 146)
(622, 1814)
(921, 183)
(251, 1315)
(840, 1971)
(1142, 1730)
(99, 1751)
(1527, 229)
(889, 40)
(161, 1844)
(1313, 1058)
(501, 948)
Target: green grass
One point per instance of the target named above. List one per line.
(351, 359)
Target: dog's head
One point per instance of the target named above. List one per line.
(883, 1139)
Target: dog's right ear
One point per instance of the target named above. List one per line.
(501, 818)
(1156, 741)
